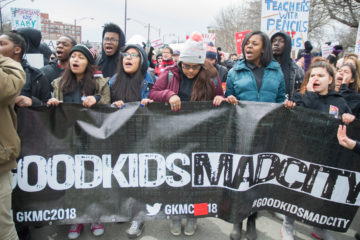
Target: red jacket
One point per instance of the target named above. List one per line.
(165, 63)
(164, 89)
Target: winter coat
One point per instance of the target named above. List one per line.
(242, 84)
(52, 71)
(352, 98)
(12, 79)
(357, 147)
(167, 85)
(332, 103)
(223, 72)
(36, 87)
(102, 89)
(293, 74)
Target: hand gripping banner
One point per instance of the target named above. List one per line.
(105, 164)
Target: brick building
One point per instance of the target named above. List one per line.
(52, 30)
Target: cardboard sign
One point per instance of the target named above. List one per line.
(290, 16)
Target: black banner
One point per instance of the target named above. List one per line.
(109, 165)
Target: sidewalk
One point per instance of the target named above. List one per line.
(268, 228)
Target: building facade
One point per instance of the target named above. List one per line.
(52, 30)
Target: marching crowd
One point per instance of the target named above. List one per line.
(128, 72)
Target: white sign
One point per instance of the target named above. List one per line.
(23, 17)
(209, 37)
(326, 49)
(290, 16)
(51, 44)
(157, 43)
(357, 44)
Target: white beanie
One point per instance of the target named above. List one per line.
(194, 50)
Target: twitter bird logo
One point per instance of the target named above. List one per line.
(153, 210)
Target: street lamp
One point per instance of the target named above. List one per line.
(1, 7)
(78, 20)
(148, 26)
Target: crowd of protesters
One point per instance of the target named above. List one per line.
(124, 73)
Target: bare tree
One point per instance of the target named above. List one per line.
(236, 18)
(344, 11)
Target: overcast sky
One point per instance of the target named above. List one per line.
(174, 18)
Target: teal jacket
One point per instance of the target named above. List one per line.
(241, 83)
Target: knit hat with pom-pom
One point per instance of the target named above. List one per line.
(194, 50)
(211, 51)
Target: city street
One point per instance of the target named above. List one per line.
(268, 227)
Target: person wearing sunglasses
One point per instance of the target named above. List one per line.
(193, 78)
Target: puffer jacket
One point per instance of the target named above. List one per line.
(241, 83)
(12, 79)
(103, 90)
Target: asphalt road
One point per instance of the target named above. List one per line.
(268, 228)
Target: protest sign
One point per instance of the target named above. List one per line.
(239, 38)
(103, 164)
(326, 49)
(23, 17)
(157, 43)
(290, 16)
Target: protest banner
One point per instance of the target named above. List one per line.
(103, 164)
(24, 17)
(157, 43)
(290, 16)
(357, 44)
(239, 38)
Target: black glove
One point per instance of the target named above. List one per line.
(308, 47)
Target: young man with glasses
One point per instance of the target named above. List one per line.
(113, 40)
(167, 60)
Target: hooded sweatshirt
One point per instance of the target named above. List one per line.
(130, 88)
(108, 64)
(293, 74)
(32, 37)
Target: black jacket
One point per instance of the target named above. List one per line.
(223, 72)
(36, 87)
(352, 98)
(52, 71)
(332, 103)
(293, 74)
(357, 148)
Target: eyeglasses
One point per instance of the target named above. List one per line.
(131, 55)
(193, 67)
(113, 40)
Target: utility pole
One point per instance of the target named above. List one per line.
(125, 18)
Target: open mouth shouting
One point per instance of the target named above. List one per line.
(109, 49)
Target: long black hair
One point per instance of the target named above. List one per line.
(266, 56)
(88, 85)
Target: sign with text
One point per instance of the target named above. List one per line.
(239, 38)
(104, 164)
(290, 16)
(23, 17)
(157, 43)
